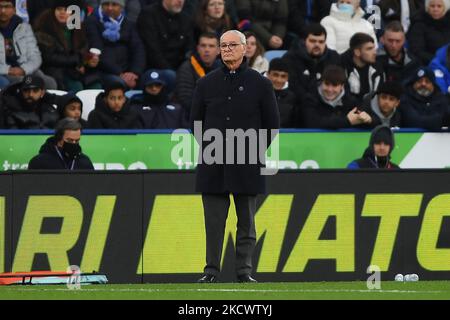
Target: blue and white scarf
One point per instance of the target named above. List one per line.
(112, 26)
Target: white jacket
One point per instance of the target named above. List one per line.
(341, 27)
(261, 64)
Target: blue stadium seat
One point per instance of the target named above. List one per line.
(271, 54)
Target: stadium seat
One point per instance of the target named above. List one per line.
(271, 54)
(88, 98)
(129, 94)
(57, 92)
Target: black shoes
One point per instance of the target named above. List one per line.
(207, 278)
(246, 278)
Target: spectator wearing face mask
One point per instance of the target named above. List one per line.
(62, 151)
(346, 18)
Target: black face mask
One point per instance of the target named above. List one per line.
(71, 150)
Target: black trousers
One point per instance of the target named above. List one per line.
(216, 212)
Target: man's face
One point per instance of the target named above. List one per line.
(315, 45)
(32, 95)
(387, 103)
(208, 50)
(73, 110)
(381, 149)
(231, 48)
(393, 43)
(367, 53)
(70, 136)
(278, 78)
(7, 11)
(154, 89)
(112, 10)
(331, 91)
(173, 6)
(116, 100)
(424, 87)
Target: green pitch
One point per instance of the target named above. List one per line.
(231, 291)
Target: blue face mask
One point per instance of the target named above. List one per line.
(347, 8)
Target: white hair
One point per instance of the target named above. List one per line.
(237, 32)
(446, 4)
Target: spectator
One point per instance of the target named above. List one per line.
(378, 154)
(394, 10)
(123, 54)
(65, 51)
(20, 55)
(305, 12)
(330, 106)
(441, 68)
(363, 74)
(29, 106)
(383, 106)
(167, 34)
(62, 151)
(424, 105)
(132, 8)
(430, 30)
(155, 109)
(211, 16)
(346, 19)
(307, 60)
(396, 61)
(255, 53)
(112, 110)
(268, 20)
(70, 106)
(201, 63)
(279, 76)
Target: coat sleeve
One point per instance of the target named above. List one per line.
(148, 29)
(331, 34)
(137, 50)
(33, 55)
(270, 113)
(198, 108)
(185, 86)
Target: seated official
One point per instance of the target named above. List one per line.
(378, 154)
(62, 151)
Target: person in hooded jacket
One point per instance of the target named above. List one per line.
(378, 154)
(430, 29)
(28, 106)
(112, 110)
(154, 107)
(62, 151)
(383, 105)
(70, 106)
(424, 105)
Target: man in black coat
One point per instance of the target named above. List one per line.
(233, 98)
(123, 53)
(397, 62)
(62, 151)
(28, 106)
(424, 105)
(167, 33)
(307, 59)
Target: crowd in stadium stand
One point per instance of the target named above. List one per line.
(333, 64)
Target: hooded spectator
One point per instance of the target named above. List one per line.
(70, 106)
(378, 154)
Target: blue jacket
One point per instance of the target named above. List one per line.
(441, 71)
